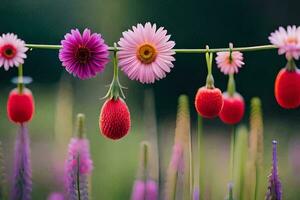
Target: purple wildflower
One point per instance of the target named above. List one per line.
(22, 183)
(78, 166)
(196, 194)
(144, 190)
(56, 196)
(83, 55)
(274, 188)
(138, 190)
(177, 162)
(151, 190)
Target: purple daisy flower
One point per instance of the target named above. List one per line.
(84, 55)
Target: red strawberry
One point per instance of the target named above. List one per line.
(114, 121)
(208, 102)
(287, 88)
(20, 106)
(233, 108)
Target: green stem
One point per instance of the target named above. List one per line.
(115, 87)
(80, 125)
(145, 150)
(191, 167)
(291, 65)
(232, 153)
(231, 85)
(243, 49)
(174, 187)
(20, 79)
(209, 78)
(200, 152)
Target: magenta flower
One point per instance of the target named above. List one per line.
(12, 51)
(84, 55)
(78, 166)
(229, 63)
(146, 53)
(287, 41)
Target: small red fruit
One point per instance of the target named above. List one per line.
(20, 106)
(233, 108)
(209, 102)
(114, 121)
(287, 88)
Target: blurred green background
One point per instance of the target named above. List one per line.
(192, 24)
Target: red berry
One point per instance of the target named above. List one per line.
(287, 88)
(20, 106)
(114, 121)
(208, 102)
(233, 108)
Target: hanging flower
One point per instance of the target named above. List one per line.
(146, 53)
(229, 63)
(288, 41)
(84, 55)
(12, 51)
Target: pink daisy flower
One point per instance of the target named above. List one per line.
(84, 55)
(146, 53)
(12, 51)
(229, 64)
(288, 41)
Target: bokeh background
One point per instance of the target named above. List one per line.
(192, 24)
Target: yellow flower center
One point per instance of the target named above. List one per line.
(292, 40)
(146, 53)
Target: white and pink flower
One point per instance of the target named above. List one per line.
(287, 41)
(146, 53)
(12, 51)
(229, 62)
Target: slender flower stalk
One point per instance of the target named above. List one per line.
(22, 183)
(3, 188)
(255, 164)
(201, 159)
(181, 160)
(240, 155)
(151, 133)
(230, 192)
(78, 165)
(274, 189)
(144, 187)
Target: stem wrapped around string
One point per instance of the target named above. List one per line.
(115, 87)
(209, 78)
